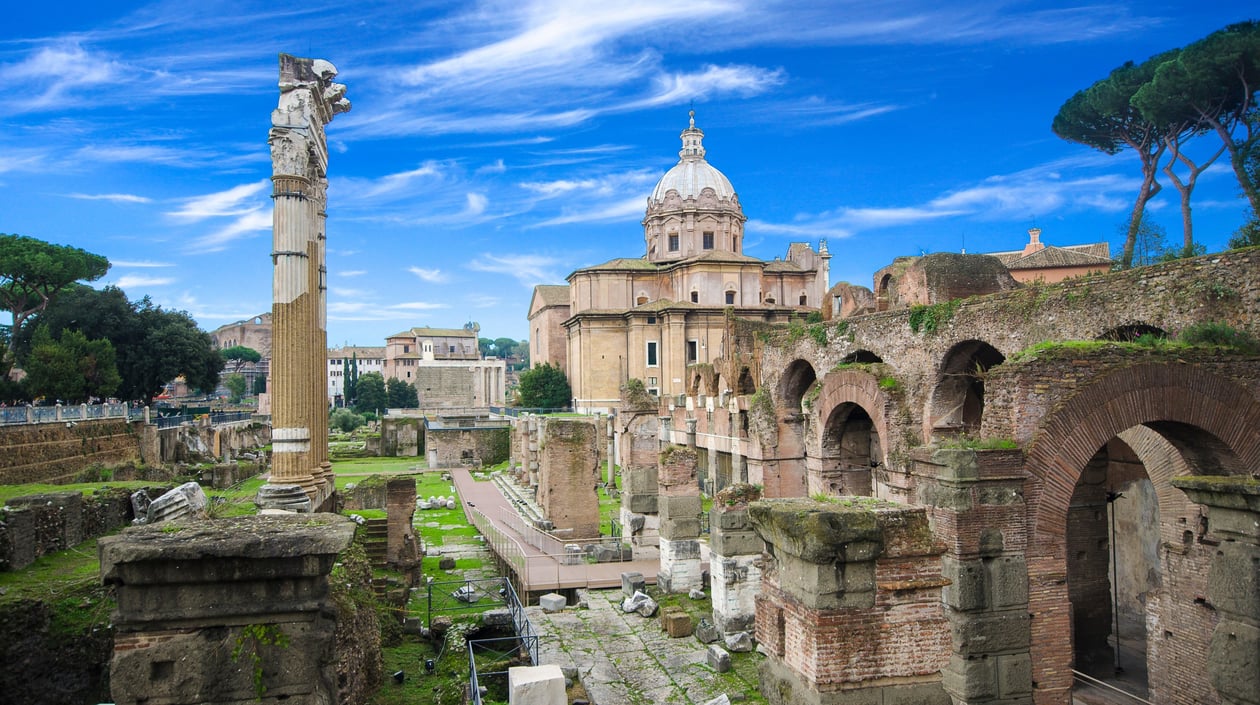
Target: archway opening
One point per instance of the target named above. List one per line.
(957, 404)
(861, 357)
(1138, 553)
(882, 302)
(791, 478)
(745, 385)
(850, 451)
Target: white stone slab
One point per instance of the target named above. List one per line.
(536, 685)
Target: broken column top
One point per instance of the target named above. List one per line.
(250, 537)
(824, 531)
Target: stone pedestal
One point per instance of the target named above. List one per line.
(1233, 583)
(849, 608)
(680, 521)
(204, 608)
(735, 559)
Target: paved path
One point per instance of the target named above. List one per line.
(536, 570)
(625, 659)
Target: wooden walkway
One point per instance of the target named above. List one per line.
(536, 571)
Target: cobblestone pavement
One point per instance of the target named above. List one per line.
(625, 659)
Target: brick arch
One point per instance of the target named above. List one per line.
(854, 387)
(1179, 401)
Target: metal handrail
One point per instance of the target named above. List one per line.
(1085, 678)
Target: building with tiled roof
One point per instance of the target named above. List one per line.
(1039, 262)
(651, 317)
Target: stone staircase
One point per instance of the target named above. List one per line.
(375, 540)
(522, 499)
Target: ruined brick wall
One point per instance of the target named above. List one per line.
(35, 525)
(57, 452)
(401, 548)
(567, 476)
(455, 447)
(402, 437)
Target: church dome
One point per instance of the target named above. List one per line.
(692, 173)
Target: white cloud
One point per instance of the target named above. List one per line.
(476, 204)
(233, 201)
(140, 264)
(498, 167)
(249, 223)
(603, 213)
(417, 306)
(434, 276)
(46, 78)
(527, 269)
(745, 81)
(130, 280)
(113, 197)
(352, 273)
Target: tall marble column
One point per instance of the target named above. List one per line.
(309, 99)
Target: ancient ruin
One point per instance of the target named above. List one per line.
(309, 99)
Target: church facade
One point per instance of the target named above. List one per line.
(652, 317)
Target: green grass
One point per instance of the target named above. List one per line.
(8, 492)
(609, 507)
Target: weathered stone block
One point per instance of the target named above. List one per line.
(1014, 673)
(1235, 659)
(686, 507)
(676, 623)
(734, 519)
(680, 529)
(828, 586)
(536, 685)
(718, 658)
(966, 584)
(632, 583)
(706, 632)
(552, 602)
(727, 542)
(642, 503)
(970, 678)
(982, 633)
(1008, 580)
(957, 464)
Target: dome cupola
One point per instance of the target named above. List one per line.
(694, 207)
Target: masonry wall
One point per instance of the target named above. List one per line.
(455, 447)
(57, 453)
(567, 476)
(36, 525)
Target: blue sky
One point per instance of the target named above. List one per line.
(497, 145)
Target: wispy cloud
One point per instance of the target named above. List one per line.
(237, 200)
(527, 269)
(113, 197)
(134, 280)
(48, 77)
(352, 273)
(433, 276)
(743, 81)
(246, 225)
(602, 214)
(417, 306)
(140, 264)
(1038, 191)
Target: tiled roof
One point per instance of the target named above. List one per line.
(1058, 257)
(637, 263)
(553, 294)
(782, 266)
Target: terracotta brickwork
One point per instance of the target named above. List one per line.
(1044, 430)
(569, 451)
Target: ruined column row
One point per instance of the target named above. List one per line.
(308, 101)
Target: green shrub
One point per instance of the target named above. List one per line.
(345, 420)
(1219, 334)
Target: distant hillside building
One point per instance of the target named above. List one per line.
(366, 359)
(253, 333)
(445, 366)
(651, 317)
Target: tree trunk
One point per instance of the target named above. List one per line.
(1150, 187)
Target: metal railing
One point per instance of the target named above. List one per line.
(1090, 680)
(514, 411)
(15, 415)
(522, 646)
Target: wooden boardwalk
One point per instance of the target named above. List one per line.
(536, 570)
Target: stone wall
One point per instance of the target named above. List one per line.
(58, 452)
(36, 525)
(455, 447)
(569, 450)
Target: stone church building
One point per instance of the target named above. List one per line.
(653, 317)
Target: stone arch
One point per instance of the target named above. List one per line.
(882, 302)
(1212, 422)
(716, 386)
(693, 389)
(788, 477)
(745, 383)
(849, 404)
(1131, 332)
(956, 404)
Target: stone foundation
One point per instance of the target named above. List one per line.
(203, 607)
(735, 561)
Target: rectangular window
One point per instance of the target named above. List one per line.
(452, 347)
(673, 243)
(652, 381)
(693, 350)
(651, 354)
(708, 241)
(695, 297)
(651, 320)
(730, 298)
(406, 348)
(654, 391)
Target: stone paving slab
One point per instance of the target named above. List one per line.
(627, 659)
